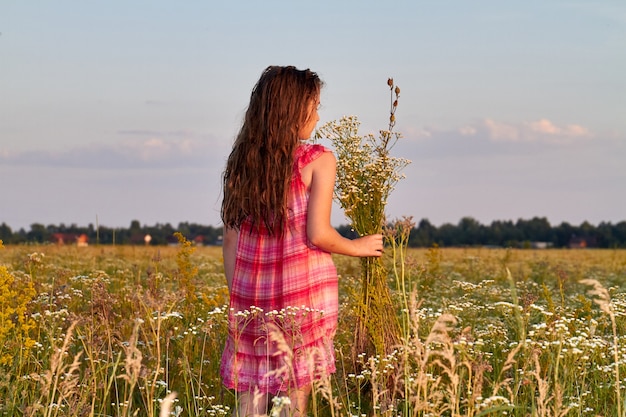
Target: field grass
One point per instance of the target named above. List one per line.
(110, 331)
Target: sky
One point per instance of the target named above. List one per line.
(114, 111)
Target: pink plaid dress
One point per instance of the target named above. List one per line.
(283, 302)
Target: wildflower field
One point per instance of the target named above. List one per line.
(112, 330)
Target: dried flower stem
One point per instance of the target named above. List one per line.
(366, 175)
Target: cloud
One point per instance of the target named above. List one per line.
(501, 131)
(545, 126)
(149, 152)
(487, 138)
(467, 131)
(143, 149)
(182, 133)
(418, 133)
(542, 130)
(157, 149)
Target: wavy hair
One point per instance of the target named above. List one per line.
(259, 168)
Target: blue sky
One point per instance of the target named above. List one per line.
(118, 111)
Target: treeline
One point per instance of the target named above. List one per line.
(136, 234)
(536, 232)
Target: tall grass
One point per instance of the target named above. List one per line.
(112, 332)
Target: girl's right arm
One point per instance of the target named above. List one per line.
(229, 252)
(319, 230)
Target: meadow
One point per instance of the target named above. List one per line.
(112, 330)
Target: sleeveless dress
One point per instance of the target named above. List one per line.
(283, 302)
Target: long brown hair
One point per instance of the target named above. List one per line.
(259, 168)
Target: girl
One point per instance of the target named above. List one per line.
(277, 249)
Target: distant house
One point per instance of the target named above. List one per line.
(540, 245)
(137, 238)
(70, 239)
(63, 238)
(82, 240)
(577, 242)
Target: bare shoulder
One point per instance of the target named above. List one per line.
(324, 164)
(325, 158)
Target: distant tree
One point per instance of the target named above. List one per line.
(503, 233)
(537, 229)
(6, 234)
(619, 231)
(447, 235)
(469, 232)
(562, 234)
(135, 234)
(587, 229)
(52, 229)
(135, 226)
(423, 235)
(347, 231)
(20, 236)
(604, 236)
(207, 234)
(38, 233)
(184, 229)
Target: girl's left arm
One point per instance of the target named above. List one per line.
(319, 230)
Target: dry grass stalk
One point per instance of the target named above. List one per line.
(547, 394)
(166, 405)
(603, 300)
(59, 385)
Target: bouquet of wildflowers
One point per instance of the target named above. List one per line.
(366, 176)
